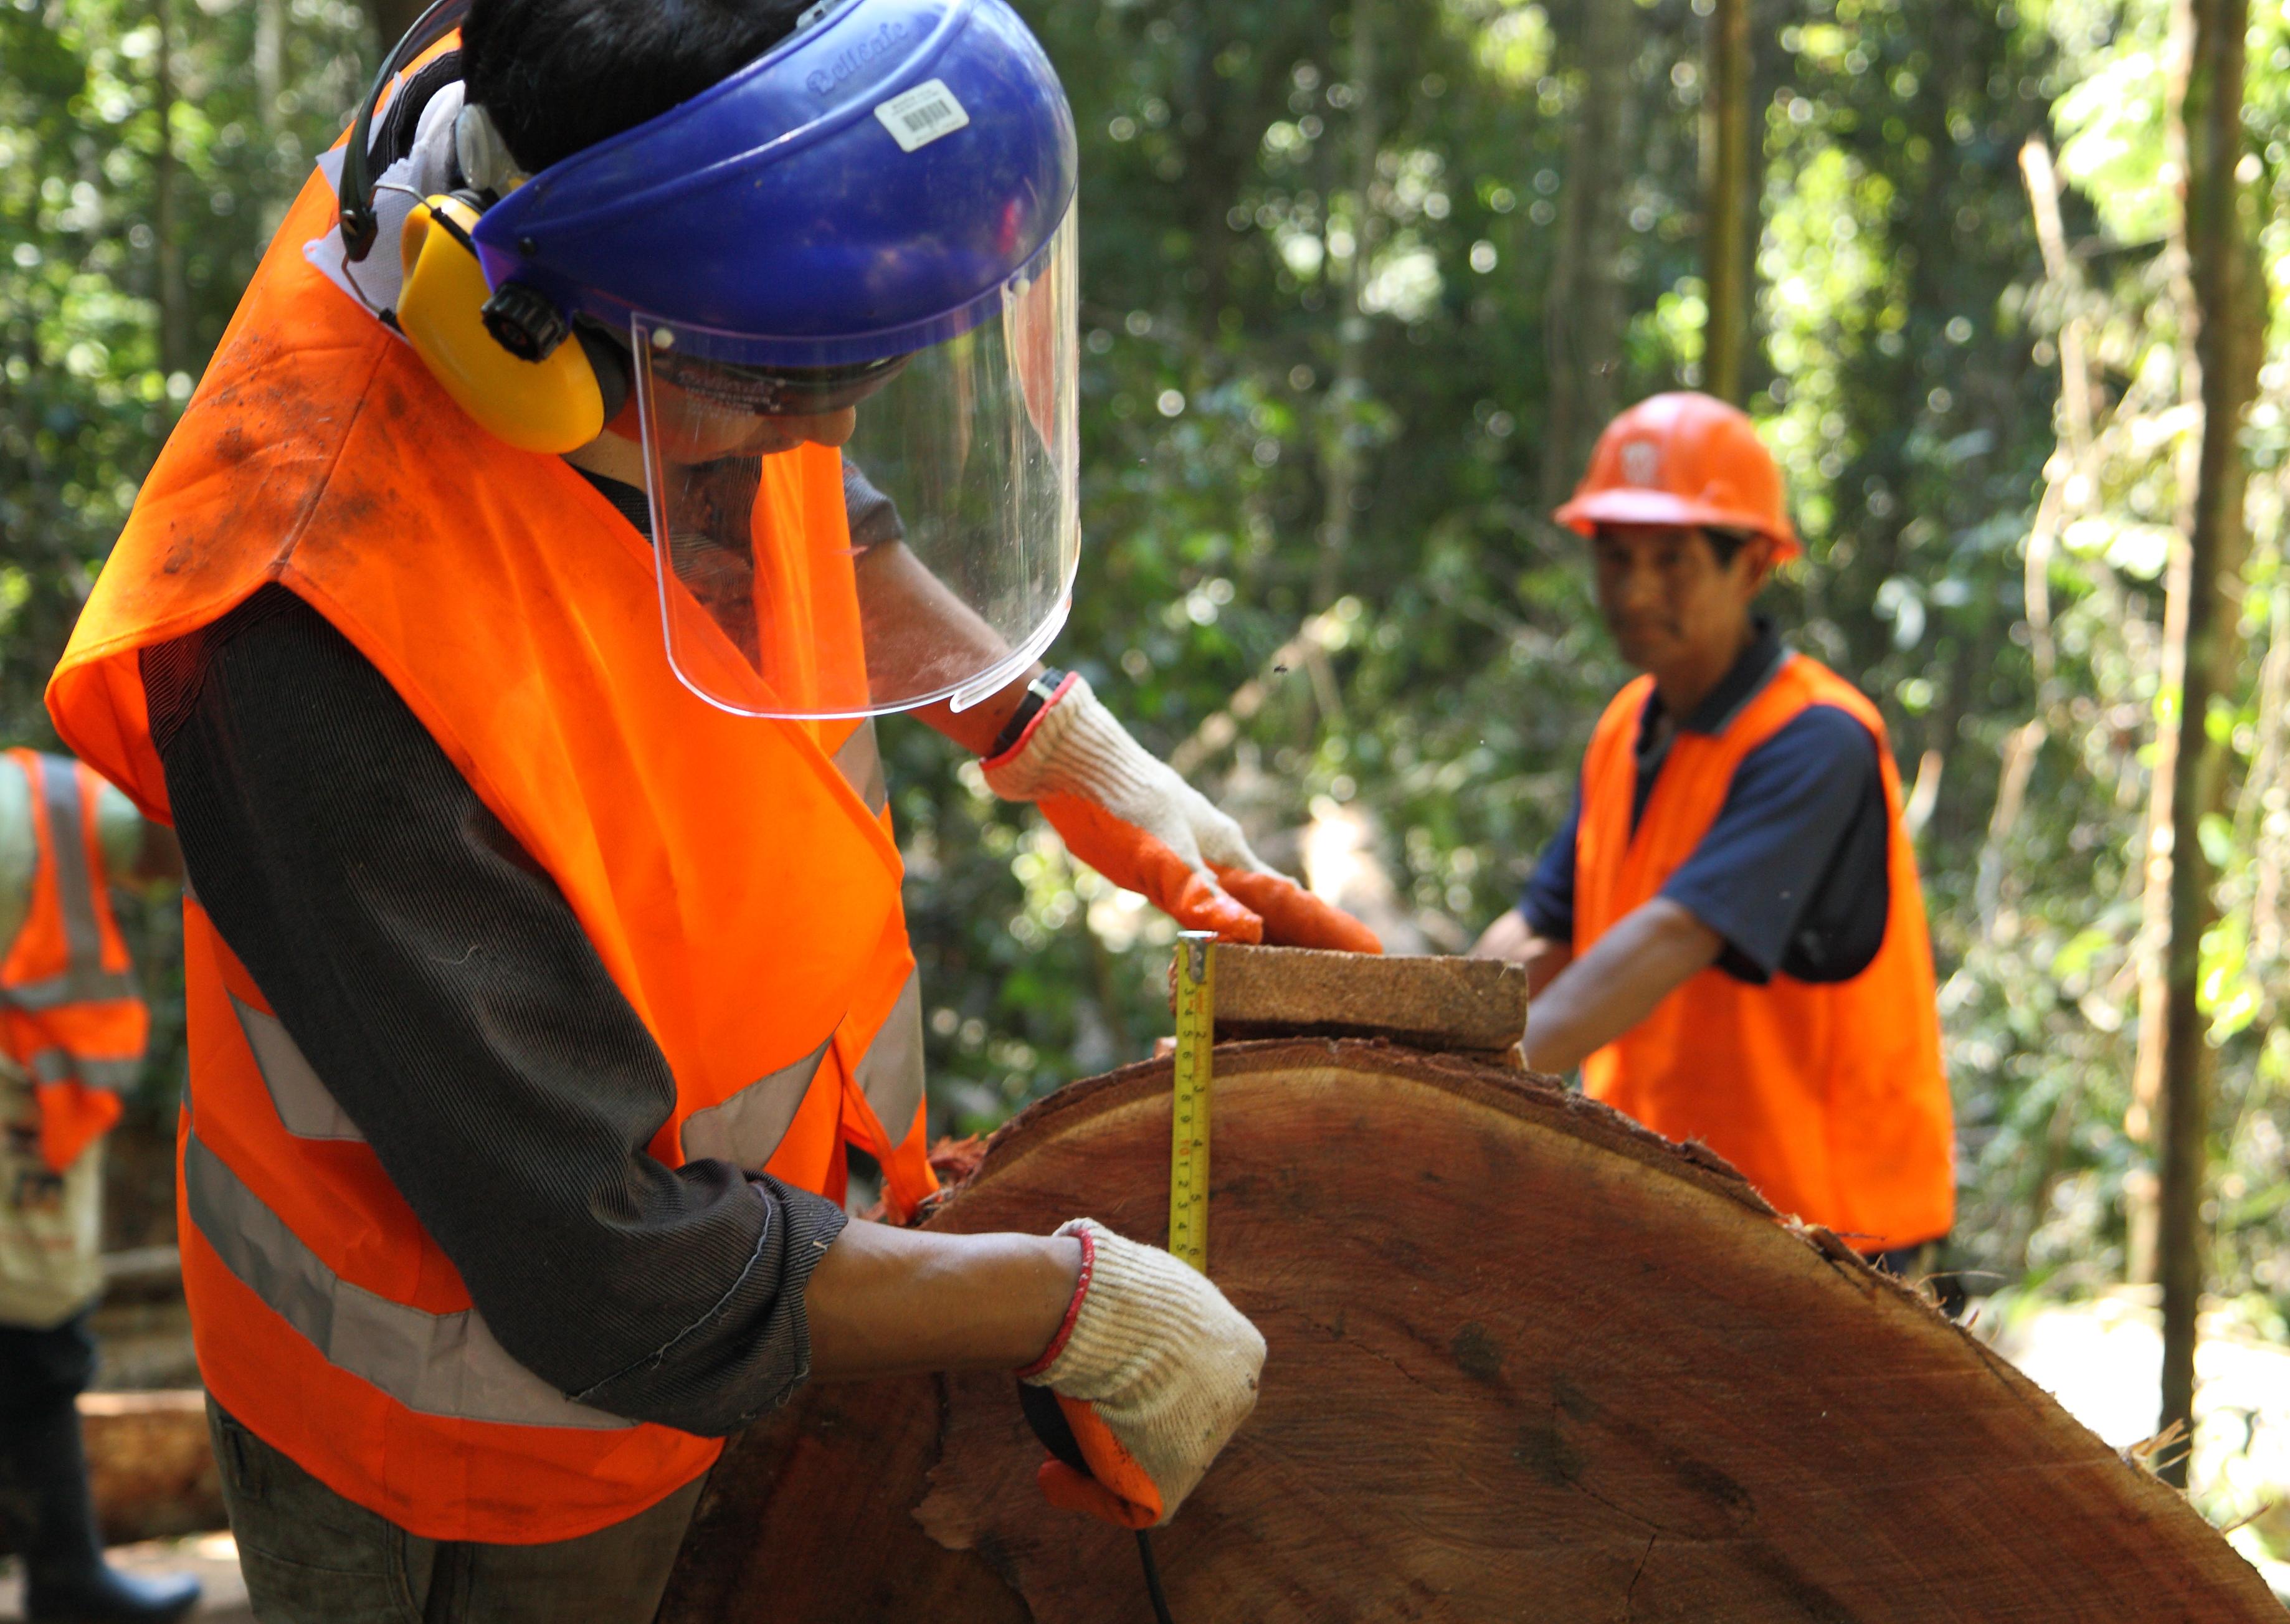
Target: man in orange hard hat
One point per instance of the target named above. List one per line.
(1727, 934)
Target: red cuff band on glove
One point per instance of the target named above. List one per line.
(1073, 1309)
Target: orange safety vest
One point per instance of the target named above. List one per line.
(1829, 1097)
(737, 877)
(69, 1010)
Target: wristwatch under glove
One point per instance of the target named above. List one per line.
(1134, 820)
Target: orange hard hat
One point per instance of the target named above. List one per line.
(1684, 459)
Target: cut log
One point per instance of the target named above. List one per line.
(1527, 1361)
(1475, 1005)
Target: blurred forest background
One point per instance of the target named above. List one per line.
(1362, 281)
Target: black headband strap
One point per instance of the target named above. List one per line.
(355, 196)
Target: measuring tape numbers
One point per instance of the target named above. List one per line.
(1189, 1125)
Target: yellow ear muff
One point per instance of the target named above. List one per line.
(552, 405)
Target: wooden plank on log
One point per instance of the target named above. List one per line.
(1424, 1001)
(1526, 1359)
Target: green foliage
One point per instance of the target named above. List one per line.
(88, 395)
(1428, 688)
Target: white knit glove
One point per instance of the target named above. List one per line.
(1075, 748)
(1130, 817)
(1162, 1361)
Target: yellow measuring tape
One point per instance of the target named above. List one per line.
(1189, 1117)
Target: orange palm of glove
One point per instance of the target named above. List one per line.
(1117, 1490)
(1238, 904)
(1294, 917)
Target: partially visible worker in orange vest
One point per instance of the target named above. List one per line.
(72, 1034)
(1728, 935)
(640, 400)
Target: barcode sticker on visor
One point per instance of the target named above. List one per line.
(922, 115)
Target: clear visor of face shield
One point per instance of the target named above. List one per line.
(848, 540)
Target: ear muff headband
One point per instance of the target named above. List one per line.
(355, 194)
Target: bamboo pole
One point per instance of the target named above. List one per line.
(1583, 321)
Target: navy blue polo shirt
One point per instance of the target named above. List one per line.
(1792, 874)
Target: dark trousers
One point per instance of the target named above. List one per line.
(42, 1373)
(311, 1557)
(44, 1496)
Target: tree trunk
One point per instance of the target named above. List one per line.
(269, 51)
(1582, 318)
(269, 82)
(1729, 206)
(1526, 1360)
(2140, 1185)
(1342, 456)
(174, 296)
(2226, 290)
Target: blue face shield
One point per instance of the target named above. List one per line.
(861, 242)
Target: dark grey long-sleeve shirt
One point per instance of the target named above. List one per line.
(442, 987)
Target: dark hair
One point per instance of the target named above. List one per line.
(1726, 544)
(558, 76)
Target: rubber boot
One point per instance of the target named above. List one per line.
(44, 1496)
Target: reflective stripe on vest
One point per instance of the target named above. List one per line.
(84, 980)
(860, 761)
(306, 1107)
(437, 1364)
(61, 1065)
(746, 1128)
(891, 1073)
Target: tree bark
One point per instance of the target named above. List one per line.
(2141, 1185)
(1583, 317)
(2226, 289)
(1730, 204)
